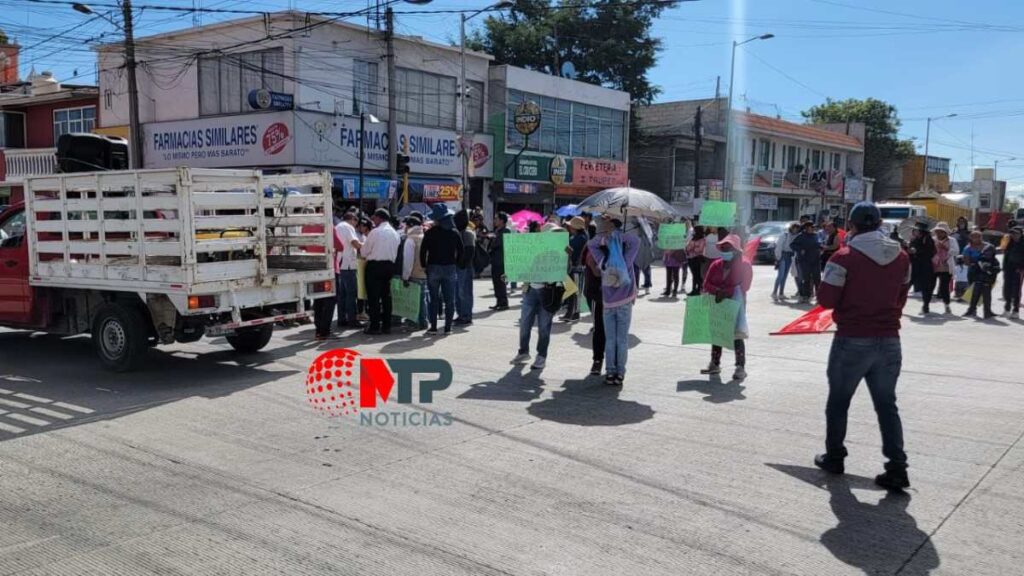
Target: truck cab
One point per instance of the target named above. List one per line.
(893, 213)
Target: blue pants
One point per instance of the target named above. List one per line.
(780, 278)
(533, 310)
(441, 282)
(878, 362)
(464, 293)
(347, 293)
(616, 345)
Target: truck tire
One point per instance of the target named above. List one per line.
(119, 336)
(249, 340)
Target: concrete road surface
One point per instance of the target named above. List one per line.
(207, 462)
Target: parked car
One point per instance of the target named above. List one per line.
(770, 232)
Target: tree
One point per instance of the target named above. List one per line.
(882, 126)
(608, 41)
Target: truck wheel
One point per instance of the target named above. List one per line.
(119, 336)
(254, 339)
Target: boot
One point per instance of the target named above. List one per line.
(829, 463)
(894, 478)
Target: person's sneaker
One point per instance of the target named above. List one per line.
(447, 330)
(924, 310)
(712, 369)
(498, 308)
(740, 373)
(948, 310)
(832, 465)
(893, 479)
(521, 358)
(595, 368)
(612, 380)
(775, 297)
(432, 331)
(990, 315)
(1015, 315)
(971, 314)
(538, 363)
(620, 379)
(665, 293)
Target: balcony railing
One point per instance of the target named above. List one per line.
(20, 163)
(817, 180)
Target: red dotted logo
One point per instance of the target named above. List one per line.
(331, 382)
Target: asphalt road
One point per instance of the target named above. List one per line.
(207, 462)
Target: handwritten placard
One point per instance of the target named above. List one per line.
(672, 236)
(715, 213)
(709, 323)
(405, 300)
(537, 257)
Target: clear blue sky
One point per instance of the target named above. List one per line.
(928, 57)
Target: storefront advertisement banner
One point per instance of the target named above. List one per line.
(442, 192)
(221, 142)
(328, 140)
(521, 187)
(601, 173)
(376, 188)
(766, 202)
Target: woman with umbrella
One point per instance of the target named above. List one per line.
(615, 252)
(922, 273)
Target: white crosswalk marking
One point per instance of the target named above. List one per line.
(73, 408)
(5, 391)
(51, 413)
(13, 404)
(11, 429)
(32, 398)
(28, 419)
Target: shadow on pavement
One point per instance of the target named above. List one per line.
(877, 538)
(520, 384)
(39, 391)
(935, 319)
(714, 389)
(589, 402)
(585, 340)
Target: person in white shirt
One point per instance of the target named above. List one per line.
(347, 266)
(412, 270)
(380, 251)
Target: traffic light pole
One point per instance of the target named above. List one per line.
(389, 39)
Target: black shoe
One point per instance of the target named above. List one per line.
(832, 465)
(447, 330)
(971, 314)
(675, 294)
(990, 315)
(893, 479)
(595, 368)
(612, 380)
(461, 322)
(432, 331)
(665, 293)
(499, 307)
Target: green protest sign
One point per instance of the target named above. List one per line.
(537, 257)
(709, 323)
(714, 213)
(672, 236)
(405, 300)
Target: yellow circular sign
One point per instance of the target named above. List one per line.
(558, 170)
(527, 118)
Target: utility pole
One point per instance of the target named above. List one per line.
(698, 141)
(389, 39)
(135, 131)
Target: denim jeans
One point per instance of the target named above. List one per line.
(347, 293)
(878, 362)
(533, 310)
(616, 330)
(441, 281)
(464, 293)
(421, 320)
(780, 278)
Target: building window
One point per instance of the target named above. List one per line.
(12, 130)
(837, 161)
(765, 157)
(816, 160)
(73, 120)
(364, 87)
(226, 80)
(792, 158)
(475, 106)
(568, 128)
(425, 99)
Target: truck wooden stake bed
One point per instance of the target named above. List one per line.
(146, 257)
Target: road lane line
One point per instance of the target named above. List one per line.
(29, 419)
(11, 429)
(51, 413)
(14, 404)
(32, 398)
(5, 391)
(73, 408)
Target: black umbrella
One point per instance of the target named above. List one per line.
(628, 202)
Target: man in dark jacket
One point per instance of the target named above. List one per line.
(866, 285)
(440, 253)
(1013, 272)
(464, 271)
(807, 254)
(497, 250)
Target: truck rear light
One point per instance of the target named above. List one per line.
(321, 287)
(199, 302)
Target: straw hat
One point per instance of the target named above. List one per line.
(943, 227)
(577, 223)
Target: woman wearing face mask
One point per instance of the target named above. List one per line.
(783, 260)
(730, 277)
(944, 261)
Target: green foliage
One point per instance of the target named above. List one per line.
(882, 125)
(608, 42)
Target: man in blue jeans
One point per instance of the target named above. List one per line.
(348, 258)
(866, 284)
(464, 271)
(440, 251)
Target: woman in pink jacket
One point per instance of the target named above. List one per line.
(730, 277)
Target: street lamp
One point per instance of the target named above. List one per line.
(464, 91)
(927, 135)
(363, 117)
(727, 185)
(995, 168)
(134, 130)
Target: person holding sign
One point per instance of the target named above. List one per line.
(541, 300)
(672, 241)
(615, 252)
(497, 251)
(730, 277)
(440, 253)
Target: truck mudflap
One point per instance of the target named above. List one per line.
(221, 329)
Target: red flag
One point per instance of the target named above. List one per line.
(816, 321)
(750, 250)
(993, 221)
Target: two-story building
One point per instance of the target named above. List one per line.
(285, 93)
(579, 147)
(33, 115)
